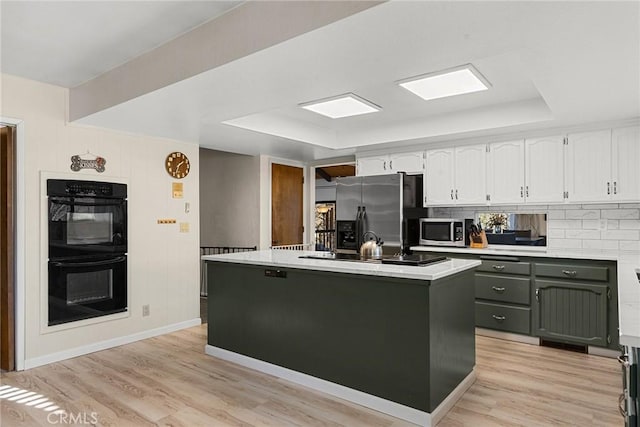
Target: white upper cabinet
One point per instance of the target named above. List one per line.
(602, 166)
(470, 173)
(439, 185)
(456, 176)
(411, 163)
(544, 170)
(625, 157)
(505, 172)
(377, 165)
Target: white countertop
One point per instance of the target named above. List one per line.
(291, 259)
(628, 286)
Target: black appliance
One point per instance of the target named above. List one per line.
(87, 223)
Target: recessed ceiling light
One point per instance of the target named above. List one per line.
(341, 106)
(454, 81)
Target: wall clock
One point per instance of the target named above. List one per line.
(177, 165)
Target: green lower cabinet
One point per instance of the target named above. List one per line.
(504, 318)
(574, 313)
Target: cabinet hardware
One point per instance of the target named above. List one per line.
(384, 165)
(390, 164)
(521, 191)
(488, 197)
(498, 267)
(608, 293)
(456, 194)
(608, 188)
(527, 191)
(451, 194)
(498, 318)
(537, 294)
(615, 187)
(608, 339)
(497, 289)
(570, 273)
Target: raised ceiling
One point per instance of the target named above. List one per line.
(551, 65)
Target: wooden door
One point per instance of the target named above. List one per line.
(7, 306)
(286, 205)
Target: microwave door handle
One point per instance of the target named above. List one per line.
(90, 263)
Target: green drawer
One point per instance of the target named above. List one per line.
(503, 318)
(506, 267)
(515, 290)
(572, 271)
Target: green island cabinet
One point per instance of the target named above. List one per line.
(572, 301)
(405, 340)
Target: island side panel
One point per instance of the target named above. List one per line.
(364, 332)
(452, 333)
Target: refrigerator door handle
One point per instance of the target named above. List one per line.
(358, 228)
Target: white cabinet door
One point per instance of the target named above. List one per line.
(505, 172)
(439, 185)
(470, 175)
(544, 170)
(588, 167)
(377, 165)
(411, 163)
(625, 156)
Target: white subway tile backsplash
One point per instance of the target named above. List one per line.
(613, 224)
(559, 207)
(629, 245)
(600, 244)
(582, 234)
(564, 223)
(582, 214)
(621, 235)
(630, 205)
(559, 214)
(620, 213)
(601, 206)
(629, 224)
(591, 224)
(556, 233)
(565, 244)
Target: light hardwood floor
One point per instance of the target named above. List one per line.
(169, 381)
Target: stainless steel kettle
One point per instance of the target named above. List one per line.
(372, 248)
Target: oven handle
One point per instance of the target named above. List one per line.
(91, 263)
(66, 201)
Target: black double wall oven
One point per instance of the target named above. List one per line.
(87, 249)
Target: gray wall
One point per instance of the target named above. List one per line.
(229, 199)
(325, 191)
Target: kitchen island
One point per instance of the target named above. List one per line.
(398, 339)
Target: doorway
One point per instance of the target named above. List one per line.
(287, 193)
(325, 203)
(7, 247)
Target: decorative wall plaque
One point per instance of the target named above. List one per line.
(78, 163)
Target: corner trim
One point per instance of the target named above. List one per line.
(385, 406)
(114, 342)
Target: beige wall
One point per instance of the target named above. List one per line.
(229, 199)
(163, 263)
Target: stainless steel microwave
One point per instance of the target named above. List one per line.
(442, 232)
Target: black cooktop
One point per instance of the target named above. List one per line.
(415, 259)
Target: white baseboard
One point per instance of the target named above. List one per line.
(394, 409)
(103, 345)
(604, 352)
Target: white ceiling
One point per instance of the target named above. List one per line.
(551, 64)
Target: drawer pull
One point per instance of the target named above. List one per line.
(498, 318)
(497, 289)
(498, 267)
(570, 273)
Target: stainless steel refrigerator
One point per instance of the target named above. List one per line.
(388, 205)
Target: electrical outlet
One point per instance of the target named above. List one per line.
(145, 310)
